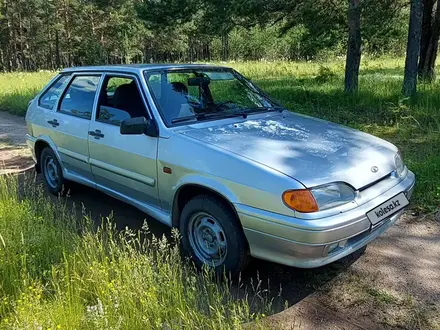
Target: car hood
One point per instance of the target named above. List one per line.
(308, 149)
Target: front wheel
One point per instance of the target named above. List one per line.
(212, 235)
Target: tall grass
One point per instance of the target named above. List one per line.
(316, 89)
(56, 273)
(17, 89)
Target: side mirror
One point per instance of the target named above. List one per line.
(139, 125)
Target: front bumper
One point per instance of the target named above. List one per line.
(305, 243)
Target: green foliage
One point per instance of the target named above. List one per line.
(384, 26)
(37, 34)
(56, 274)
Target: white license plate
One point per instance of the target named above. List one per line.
(388, 208)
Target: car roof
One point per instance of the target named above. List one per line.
(136, 68)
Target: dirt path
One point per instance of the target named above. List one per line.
(14, 155)
(394, 284)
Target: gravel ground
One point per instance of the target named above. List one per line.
(14, 155)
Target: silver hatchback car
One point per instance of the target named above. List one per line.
(203, 149)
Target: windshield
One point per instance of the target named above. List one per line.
(194, 95)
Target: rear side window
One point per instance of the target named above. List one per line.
(51, 96)
(80, 96)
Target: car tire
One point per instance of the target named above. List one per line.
(208, 224)
(52, 172)
(362, 250)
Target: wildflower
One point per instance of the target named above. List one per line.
(100, 307)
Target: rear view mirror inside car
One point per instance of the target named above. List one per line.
(198, 81)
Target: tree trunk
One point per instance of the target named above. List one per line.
(68, 47)
(428, 6)
(190, 53)
(413, 48)
(225, 45)
(7, 56)
(208, 51)
(20, 42)
(429, 54)
(2, 61)
(353, 60)
(57, 50)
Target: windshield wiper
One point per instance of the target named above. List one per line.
(181, 119)
(243, 113)
(214, 115)
(273, 108)
(225, 115)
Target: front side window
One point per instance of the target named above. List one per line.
(80, 96)
(51, 96)
(119, 99)
(194, 95)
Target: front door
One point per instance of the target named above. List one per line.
(122, 164)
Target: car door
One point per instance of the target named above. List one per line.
(71, 125)
(41, 118)
(123, 165)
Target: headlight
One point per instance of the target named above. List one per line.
(400, 166)
(320, 198)
(333, 195)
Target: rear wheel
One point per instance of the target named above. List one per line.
(212, 235)
(51, 170)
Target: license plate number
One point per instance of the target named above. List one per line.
(388, 208)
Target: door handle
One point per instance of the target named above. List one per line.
(54, 123)
(96, 134)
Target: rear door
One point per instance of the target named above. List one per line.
(43, 110)
(71, 124)
(122, 164)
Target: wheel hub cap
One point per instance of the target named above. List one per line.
(207, 239)
(50, 171)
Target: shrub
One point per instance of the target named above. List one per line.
(325, 74)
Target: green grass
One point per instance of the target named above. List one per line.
(56, 273)
(317, 89)
(381, 296)
(17, 89)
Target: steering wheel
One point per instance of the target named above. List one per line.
(215, 109)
